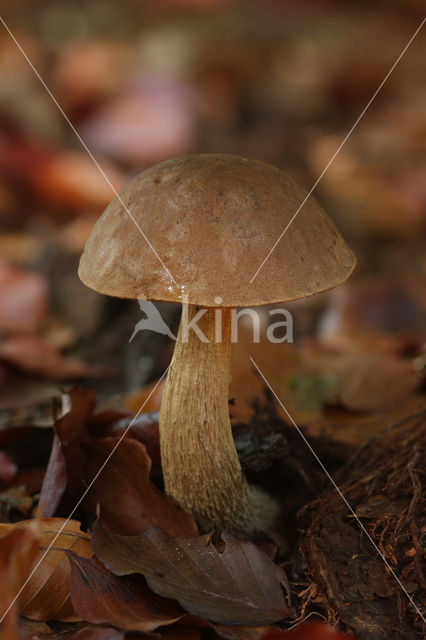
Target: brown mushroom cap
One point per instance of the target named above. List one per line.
(212, 219)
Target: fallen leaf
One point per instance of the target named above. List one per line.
(34, 354)
(126, 603)
(129, 502)
(23, 300)
(241, 585)
(143, 428)
(65, 470)
(46, 596)
(18, 550)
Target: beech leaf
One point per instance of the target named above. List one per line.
(18, 550)
(129, 501)
(46, 596)
(241, 585)
(100, 597)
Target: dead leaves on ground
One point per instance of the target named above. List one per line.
(46, 596)
(185, 574)
(18, 550)
(129, 500)
(240, 584)
(101, 598)
(123, 489)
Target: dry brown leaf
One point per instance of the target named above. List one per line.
(65, 472)
(46, 596)
(241, 585)
(126, 603)
(18, 550)
(129, 501)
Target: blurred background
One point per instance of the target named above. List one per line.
(146, 80)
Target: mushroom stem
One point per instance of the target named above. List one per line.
(200, 463)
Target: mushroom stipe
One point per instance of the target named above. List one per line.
(212, 218)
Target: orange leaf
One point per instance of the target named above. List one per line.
(46, 596)
(18, 549)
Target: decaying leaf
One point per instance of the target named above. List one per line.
(129, 501)
(18, 551)
(241, 585)
(46, 596)
(126, 603)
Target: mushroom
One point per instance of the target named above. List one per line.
(212, 218)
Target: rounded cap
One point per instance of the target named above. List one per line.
(212, 219)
